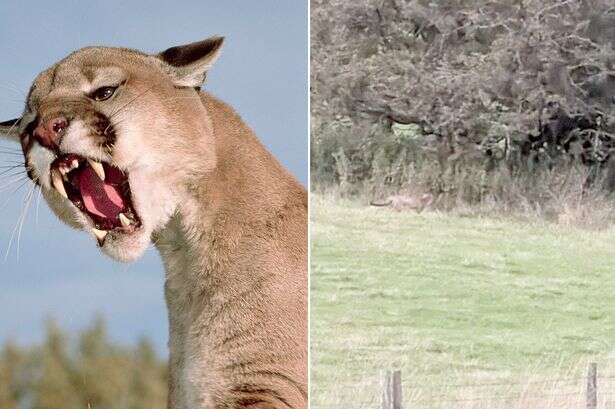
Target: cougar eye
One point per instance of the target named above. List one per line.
(103, 93)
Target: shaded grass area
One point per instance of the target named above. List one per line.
(451, 299)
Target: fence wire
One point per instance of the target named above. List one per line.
(445, 393)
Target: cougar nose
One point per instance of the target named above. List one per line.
(48, 133)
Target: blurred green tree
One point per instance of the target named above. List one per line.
(83, 371)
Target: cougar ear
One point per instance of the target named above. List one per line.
(188, 64)
(10, 129)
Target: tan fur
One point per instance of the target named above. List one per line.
(402, 202)
(229, 222)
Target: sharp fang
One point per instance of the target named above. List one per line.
(98, 168)
(74, 164)
(56, 179)
(100, 235)
(64, 171)
(125, 220)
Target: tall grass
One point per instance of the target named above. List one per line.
(561, 194)
(530, 389)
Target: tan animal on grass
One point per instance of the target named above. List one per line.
(124, 145)
(401, 202)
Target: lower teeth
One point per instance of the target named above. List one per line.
(125, 220)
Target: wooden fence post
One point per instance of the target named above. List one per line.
(391, 397)
(592, 386)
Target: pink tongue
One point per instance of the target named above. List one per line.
(99, 198)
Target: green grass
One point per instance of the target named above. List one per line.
(452, 299)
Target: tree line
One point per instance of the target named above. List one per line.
(86, 371)
(464, 99)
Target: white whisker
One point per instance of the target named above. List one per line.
(13, 174)
(11, 153)
(20, 222)
(13, 182)
(14, 162)
(38, 203)
(13, 127)
(14, 89)
(121, 108)
(16, 169)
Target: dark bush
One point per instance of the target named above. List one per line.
(462, 98)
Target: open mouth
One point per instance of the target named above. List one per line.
(99, 190)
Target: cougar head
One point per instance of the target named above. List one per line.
(111, 135)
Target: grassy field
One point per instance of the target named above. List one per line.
(454, 301)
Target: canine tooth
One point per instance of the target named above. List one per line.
(64, 171)
(98, 168)
(56, 180)
(74, 164)
(125, 220)
(100, 234)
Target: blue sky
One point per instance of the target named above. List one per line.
(58, 272)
